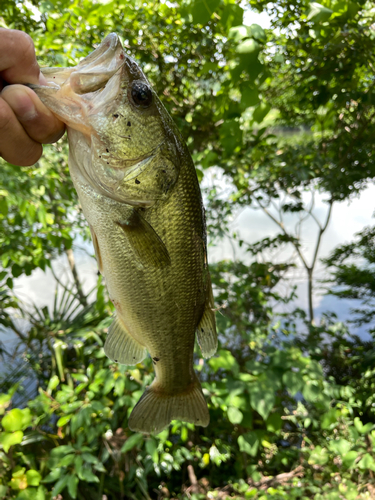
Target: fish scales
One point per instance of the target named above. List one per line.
(139, 192)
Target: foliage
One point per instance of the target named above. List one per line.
(353, 274)
(273, 408)
(279, 113)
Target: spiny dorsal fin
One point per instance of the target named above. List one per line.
(121, 347)
(147, 245)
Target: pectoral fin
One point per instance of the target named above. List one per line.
(206, 330)
(96, 249)
(147, 245)
(121, 347)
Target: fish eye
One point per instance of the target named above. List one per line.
(141, 94)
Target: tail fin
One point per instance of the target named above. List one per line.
(155, 410)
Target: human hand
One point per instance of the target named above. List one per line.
(25, 122)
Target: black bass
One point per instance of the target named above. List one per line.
(139, 192)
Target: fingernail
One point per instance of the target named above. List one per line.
(21, 104)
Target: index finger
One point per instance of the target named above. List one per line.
(18, 62)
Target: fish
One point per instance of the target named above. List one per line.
(138, 189)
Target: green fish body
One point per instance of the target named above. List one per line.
(139, 192)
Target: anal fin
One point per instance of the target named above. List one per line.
(121, 347)
(206, 329)
(147, 245)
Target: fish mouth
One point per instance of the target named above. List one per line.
(72, 92)
(94, 71)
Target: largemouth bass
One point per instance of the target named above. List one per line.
(139, 192)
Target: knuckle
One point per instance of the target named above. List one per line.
(28, 55)
(6, 116)
(54, 136)
(26, 43)
(30, 154)
(22, 46)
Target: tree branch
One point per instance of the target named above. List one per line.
(281, 226)
(81, 295)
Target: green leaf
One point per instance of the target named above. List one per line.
(318, 13)
(86, 474)
(18, 481)
(62, 450)
(230, 138)
(53, 383)
(52, 476)
(225, 361)
(349, 459)
(262, 396)
(238, 33)
(4, 402)
(339, 446)
(330, 418)
(367, 462)
(249, 96)
(67, 460)
(72, 486)
(40, 493)
(32, 494)
(249, 47)
(257, 32)
(235, 415)
(89, 458)
(261, 112)
(293, 382)
(363, 429)
(60, 485)
(3, 207)
(42, 214)
(8, 439)
(319, 456)
(78, 463)
(16, 270)
(3, 491)
(33, 477)
(17, 420)
(152, 449)
(184, 433)
(274, 422)
(63, 420)
(202, 10)
(311, 391)
(249, 443)
(232, 15)
(131, 442)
